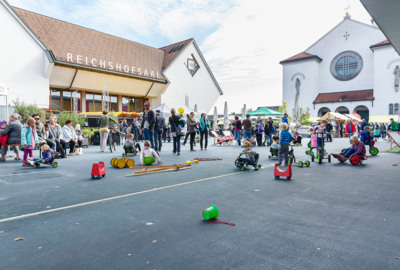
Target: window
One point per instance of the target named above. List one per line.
(192, 65)
(176, 48)
(76, 101)
(346, 65)
(396, 109)
(66, 101)
(128, 104)
(55, 100)
(98, 106)
(112, 102)
(390, 109)
(63, 100)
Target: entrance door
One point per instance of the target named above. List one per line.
(363, 112)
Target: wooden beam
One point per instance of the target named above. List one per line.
(160, 170)
(160, 166)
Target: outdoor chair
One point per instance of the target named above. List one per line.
(221, 140)
(394, 137)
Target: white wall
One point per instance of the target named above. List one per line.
(22, 63)
(386, 59)
(200, 88)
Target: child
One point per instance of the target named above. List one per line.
(366, 137)
(313, 138)
(297, 138)
(285, 139)
(251, 155)
(376, 133)
(149, 155)
(274, 146)
(29, 139)
(3, 139)
(320, 131)
(47, 155)
(357, 148)
(130, 146)
(47, 136)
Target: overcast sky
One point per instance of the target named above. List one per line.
(242, 40)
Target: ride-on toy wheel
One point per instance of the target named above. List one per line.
(373, 151)
(37, 165)
(355, 160)
(269, 156)
(307, 152)
(311, 153)
(319, 159)
(300, 164)
(259, 166)
(55, 164)
(344, 150)
(242, 168)
(290, 160)
(329, 158)
(307, 163)
(309, 145)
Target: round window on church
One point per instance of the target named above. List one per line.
(346, 65)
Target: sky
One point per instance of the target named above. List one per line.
(241, 40)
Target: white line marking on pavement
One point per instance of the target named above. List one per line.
(112, 198)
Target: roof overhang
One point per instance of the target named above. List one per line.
(314, 57)
(386, 16)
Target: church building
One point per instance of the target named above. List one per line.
(351, 69)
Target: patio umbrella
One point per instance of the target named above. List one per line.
(215, 119)
(226, 123)
(195, 107)
(264, 112)
(244, 112)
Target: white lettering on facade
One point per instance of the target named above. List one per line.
(110, 65)
(69, 57)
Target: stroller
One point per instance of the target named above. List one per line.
(242, 162)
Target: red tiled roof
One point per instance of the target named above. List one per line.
(345, 96)
(300, 56)
(62, 38)
(383, 43)
(173, 50)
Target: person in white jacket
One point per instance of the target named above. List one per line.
(148, 155)
(70, 137)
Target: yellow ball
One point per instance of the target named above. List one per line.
(188, 162)
(181, 110)
(196, 161)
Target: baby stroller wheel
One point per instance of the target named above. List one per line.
(307, 163)
(55, 164)
(300, 164)
(373, 151)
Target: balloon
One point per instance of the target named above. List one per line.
(181, 110)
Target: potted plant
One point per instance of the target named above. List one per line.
(88, 133)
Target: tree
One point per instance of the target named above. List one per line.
(304, 117)
(27, 111)
(76, 118)
(284, 109)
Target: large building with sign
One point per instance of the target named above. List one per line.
(351, 69)
(61, 66)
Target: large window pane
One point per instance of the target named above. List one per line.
(125, 104)
(76, 98)
(139, 105)
(55, 100)
(114, 103)
(67, 102)
(89, 103)
(97, 103)
(132, 104)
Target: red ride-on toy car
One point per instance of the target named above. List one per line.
(98, 170)
(354, 160)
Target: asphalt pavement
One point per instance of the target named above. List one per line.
(329, 216)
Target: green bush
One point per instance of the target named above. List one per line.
(76, 118)
(27, 111)
(88, 133)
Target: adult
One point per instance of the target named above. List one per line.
(41, 132)
(104, 123)
(340, 124)
(393, 125)
(192, 129)
(187, 133)
(148, 123)
(70, 137)
(285, 120)
(350, 128)
(57, 135)
(363, 124)
(237, 129)
(174, 122)
(259, 131)
(247, 129)
(382, 128)
(329, 129)
(204, 129)
(13, 130)
(158, 130)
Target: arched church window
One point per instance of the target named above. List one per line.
(390, 109)
(346, 65)
(396, 109)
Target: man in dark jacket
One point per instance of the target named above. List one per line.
(329, 129)
(158, 131)
(148, 123)
(269, 130)
(247, 129)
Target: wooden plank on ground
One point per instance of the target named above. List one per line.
(160, 170)
(160, 166)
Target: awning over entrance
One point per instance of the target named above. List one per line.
(78, 79)
(381, 118)
(345, 96)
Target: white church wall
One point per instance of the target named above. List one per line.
(360, 38)
(386, 59)
(23, 63)
(307, 71)
(200, 88)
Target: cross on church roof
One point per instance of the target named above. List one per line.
(346, 35)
